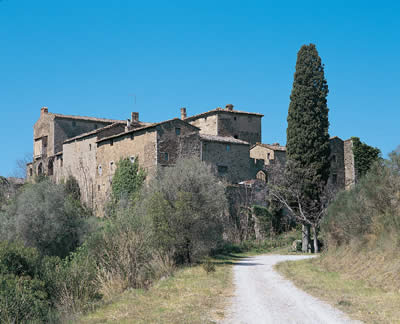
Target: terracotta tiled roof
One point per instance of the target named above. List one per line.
(147, 127)
(271, 147)
(222, 139)
(102, 120)
(222, 110)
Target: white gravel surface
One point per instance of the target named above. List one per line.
(264, 296)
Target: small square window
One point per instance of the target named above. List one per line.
(177, 131)
(222, 169)
(166, 157)
(228, 147)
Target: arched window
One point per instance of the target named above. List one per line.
(50, 167)
(30, 172)
(261, 175)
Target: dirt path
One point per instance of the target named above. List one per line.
(264, 296)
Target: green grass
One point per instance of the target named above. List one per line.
(359, 299)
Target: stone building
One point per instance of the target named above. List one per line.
(89, 148)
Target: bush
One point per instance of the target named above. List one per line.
(370, 211)
(23, 293)
(44, 216)
(186, 204)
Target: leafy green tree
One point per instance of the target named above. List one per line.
(186, 204)
(127, 180)
(308, 147)
(364, 156)
(44, 216)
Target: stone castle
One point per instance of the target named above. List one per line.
(229, 140)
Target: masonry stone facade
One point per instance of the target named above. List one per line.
(228, 140)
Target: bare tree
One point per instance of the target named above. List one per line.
(20, 166)
(289, 186)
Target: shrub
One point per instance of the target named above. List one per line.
(186, 204)
(23, 293)
(368, 212)
(46, 217)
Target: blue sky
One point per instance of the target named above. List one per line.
(92, 57)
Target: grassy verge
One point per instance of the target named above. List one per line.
(190, 296)
(355, 297)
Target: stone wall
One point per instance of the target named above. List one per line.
(246, 127)
(207, 124)
(349, 165)
(79, 160)
(176, 140)
(65, 128)
(337, 172)
(229, 161)
(141, 144)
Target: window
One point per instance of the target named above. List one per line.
(61, 162)
(90, 147)
(112, 142)
(177, 131)
(100, 170)
(95, 126)
(334, 158)
(98, 187)
(131, 136)
(74, 123)
(166, 157)
(30, 172)
(228, 147)
(50, 169)
(112, 166)
(268, 156)
(334, 178)
(261, 175)
(234, 118)
(235, 136)
(222, 169)
(40, 169)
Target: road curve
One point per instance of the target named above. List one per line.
(263, 296)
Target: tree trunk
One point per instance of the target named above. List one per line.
(305, 230)
(316, 249)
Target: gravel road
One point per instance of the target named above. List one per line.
(264, 296)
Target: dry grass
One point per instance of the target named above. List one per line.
(345, 290)
(190, 296)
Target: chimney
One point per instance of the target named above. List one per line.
(135, 117)
(229, 107)
(44, 110)
(183, 113)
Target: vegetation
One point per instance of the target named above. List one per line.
(359, 270)
(186, 205)
(127, 180)
(307, 145)
(46, 217)
(364, 156)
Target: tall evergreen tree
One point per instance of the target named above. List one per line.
(308, 147)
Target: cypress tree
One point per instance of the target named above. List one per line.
(307, 133)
